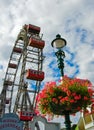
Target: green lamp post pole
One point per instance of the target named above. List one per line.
(60, 60)
(59, 43)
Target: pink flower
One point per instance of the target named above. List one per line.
(66, 98)
(72, 101)
(77, 97)
(92, 100)
(74, 94)
(55, 100)
(85, 98)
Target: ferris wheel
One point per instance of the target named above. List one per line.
(24, 74)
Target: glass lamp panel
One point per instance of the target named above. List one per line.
(59, 43)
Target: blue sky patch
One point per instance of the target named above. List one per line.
(1, 67)
(83, 34)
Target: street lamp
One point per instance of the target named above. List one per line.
(59, 43)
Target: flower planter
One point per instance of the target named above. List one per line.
(70, 95)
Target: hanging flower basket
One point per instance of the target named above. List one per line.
(69, 95)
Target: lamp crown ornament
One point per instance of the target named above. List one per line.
(58, 36)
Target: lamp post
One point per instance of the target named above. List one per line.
(59, 43)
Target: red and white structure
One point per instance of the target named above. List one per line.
(24, 72)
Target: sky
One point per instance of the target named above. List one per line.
(72, 19)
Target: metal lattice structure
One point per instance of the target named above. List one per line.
(26, 62)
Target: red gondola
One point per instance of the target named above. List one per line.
(7, 101)
(36, 43)
(26, 116)
(11, 65)
(33, 29)
(35, 75)
(17, 50)
(7, 82)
